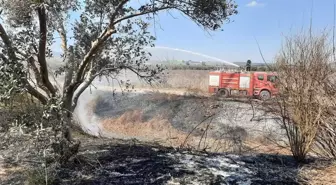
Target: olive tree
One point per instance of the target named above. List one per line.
(109, 36)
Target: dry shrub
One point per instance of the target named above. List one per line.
(325, 142)
(24, 134)
(237, 135)
(31, 140)
(232, 139)
(303, 69)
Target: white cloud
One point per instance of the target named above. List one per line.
(255, 4)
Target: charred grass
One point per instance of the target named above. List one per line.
(116, 161)
(180, 121)
(102, 161)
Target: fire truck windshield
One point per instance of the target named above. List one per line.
(271, 78)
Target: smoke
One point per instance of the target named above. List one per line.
(84, 113)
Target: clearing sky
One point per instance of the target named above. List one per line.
(262, 21)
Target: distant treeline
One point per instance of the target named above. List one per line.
(191, 67)
(263, 68)
(209, 68)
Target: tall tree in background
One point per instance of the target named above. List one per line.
(109, 36)
(248, 65)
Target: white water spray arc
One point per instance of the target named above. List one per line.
(198, 54)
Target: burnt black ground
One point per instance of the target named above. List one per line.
(129, 162)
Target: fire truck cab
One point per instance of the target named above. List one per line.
(252, 84)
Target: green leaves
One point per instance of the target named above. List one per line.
(11, 79)
(125, 49)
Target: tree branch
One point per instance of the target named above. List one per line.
(136, 72)
(12, 56)
(87, 83)
(69, 68)
(2, 56)
(103, 37)
(7, 42)
(42, 50)
(92, 52)
(142, 13)
(62, 33)
(31, 63)
(116, 11)
(114, 15)
(24, 55)
(31, 90)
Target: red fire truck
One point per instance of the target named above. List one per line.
(251, 84)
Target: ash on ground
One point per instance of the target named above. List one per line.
(138, 163)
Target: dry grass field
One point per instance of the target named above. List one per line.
(190, 80)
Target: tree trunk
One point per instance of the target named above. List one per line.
(68, 146)
(67, 126)
(67, 116)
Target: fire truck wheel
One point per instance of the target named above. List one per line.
(223, 93)
(264, 95)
